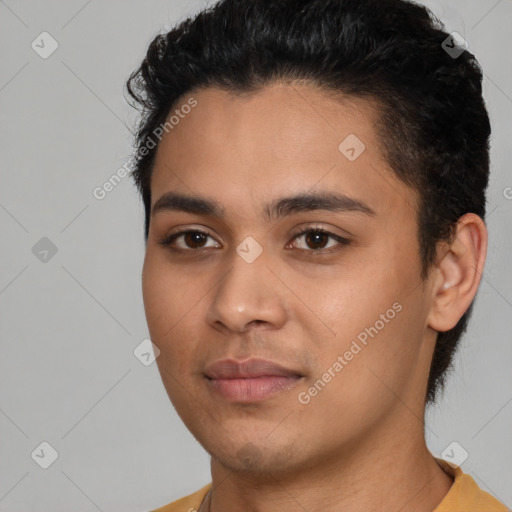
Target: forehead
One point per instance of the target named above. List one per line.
(286, 138)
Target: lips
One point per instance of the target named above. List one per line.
(250, 381)
(252, 368)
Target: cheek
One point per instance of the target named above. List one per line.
(360, 374)
(168, 293)
(353, 298)
(375, 314)
(174, 302)
(156, 299)
(165, 308)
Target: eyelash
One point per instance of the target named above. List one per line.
(168, 240)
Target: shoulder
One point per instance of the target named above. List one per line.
(465, 494)
(188, 503)
(471, 495)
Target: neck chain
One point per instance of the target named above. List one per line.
(207, 499)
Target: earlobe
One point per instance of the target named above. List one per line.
(458, 271)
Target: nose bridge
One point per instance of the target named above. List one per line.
(247, 292)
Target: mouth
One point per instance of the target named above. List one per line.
(250, 381)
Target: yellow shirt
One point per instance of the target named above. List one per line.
(463, 496)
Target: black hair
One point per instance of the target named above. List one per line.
(433, 126)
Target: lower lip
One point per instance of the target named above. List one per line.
(254, 389)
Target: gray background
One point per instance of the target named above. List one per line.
(68, 375)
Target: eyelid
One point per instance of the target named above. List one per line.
(341, 240)
(168, 239)
(320, 227)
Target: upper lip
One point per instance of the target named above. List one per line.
(251, 368)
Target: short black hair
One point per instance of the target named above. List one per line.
(433, 125)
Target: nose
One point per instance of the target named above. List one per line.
(248, 296)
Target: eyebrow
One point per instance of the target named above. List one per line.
(281, 207)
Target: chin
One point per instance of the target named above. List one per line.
(259, 460)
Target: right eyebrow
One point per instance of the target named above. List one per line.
(284, 206)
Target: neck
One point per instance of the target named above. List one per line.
(391, 471)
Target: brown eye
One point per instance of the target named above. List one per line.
(194, 239)
(315, 240)
(191, 240)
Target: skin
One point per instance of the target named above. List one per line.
(358, 445)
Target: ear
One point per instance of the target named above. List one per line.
(457, 272)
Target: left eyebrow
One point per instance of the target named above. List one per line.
(328, 201)
(281, 207)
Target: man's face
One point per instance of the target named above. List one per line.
(346, 320)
